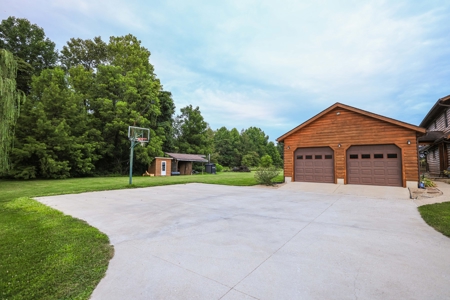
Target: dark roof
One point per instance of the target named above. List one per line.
(188, 157)
(435, 111)
(353, 109)
(431, 137)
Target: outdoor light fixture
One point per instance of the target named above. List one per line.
(338, 113)
(288, 147)
(408, 142)
(339, 145)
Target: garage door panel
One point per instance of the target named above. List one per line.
(366, 180)
(393, 172)
(382, 165)
(392, 181)
(318, 165)
(379, 172)
(366, 171)
(353, 163)
(353, 172)
(379, 181)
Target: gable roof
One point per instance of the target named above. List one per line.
(188, 157)
(435, 111)
(356, 110)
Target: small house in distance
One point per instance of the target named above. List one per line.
(182, 163)
(160, 166)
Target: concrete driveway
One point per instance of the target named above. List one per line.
(199, 241)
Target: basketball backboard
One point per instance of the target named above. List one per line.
(138, 134)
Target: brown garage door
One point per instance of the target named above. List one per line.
(374, 165)
(314, 165)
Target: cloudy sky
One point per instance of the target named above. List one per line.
(273, 64)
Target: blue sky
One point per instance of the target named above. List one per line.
(273, 64)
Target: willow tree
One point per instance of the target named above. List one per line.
(10, 101)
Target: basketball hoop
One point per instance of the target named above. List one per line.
(142, 141)
(136, 135)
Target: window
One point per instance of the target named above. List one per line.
(353, 156)
(445, 118)
(318, 157)
(308, 157)
(392, 155)
(365, 155)
(378, 156)
(299, 156)
(328, 156)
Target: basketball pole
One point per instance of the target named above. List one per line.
(131, 160)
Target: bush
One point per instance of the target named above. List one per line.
(250, 159)
(428, 182)
(266, 175)
(266, 161)
(219, 168)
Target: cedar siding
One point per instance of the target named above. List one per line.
(346, 126)
(155, 166)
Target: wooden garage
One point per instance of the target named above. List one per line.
(347, 145)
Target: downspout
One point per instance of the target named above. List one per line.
(418, 160)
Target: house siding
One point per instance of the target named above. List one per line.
(433, 161)
(440, 122)
(349, 128)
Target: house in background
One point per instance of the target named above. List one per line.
(436, 142)
(182, 163)
(347, 145)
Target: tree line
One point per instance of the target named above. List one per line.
(76, 105)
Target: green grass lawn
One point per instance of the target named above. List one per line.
(47, 255)
(437, 216)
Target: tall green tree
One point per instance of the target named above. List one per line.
(165, 120)
(119, 88)
(10, 102)
(227, 145)
(191, 132)
(126, 93)
(87, 53)
(28, 43)
(254, 140)
(54, 138)
(272, 151)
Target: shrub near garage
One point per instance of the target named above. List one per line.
(266, 175)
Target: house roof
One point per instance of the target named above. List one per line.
(356, 110)
(188, 157)
(435, 111)
(432, 136)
